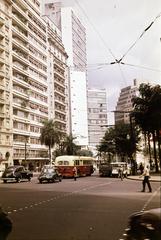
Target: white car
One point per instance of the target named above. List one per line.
(115, 168)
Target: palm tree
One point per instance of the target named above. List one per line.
(50, 136)
(68, 145)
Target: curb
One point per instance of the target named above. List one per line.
(141, 179)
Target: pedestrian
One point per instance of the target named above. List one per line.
(121, 172)
(141, 168)
(5, 225)
(75, 173)
(146, 174)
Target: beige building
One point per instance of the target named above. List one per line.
(26, 98)
(6, 123)
(124, 103)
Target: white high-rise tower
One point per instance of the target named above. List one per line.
(74, 40)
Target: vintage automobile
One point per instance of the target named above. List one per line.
(49, 173)
(105, 170)
(145, 225)
(16, 173)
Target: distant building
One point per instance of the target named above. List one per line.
(97, 115)
(74, 40)
(124, 103)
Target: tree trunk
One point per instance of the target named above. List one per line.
(149, 149)
(155, 152)
(159, 148)
(49, 154)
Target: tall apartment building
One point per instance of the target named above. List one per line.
(57, 78)
(26, 40)
(124, 103)
(74, 40)
(6, 130)
(97, 115)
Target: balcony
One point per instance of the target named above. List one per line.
(19, 22)
(2, 115)
(2, 34)
(2, 21)
(20, 57)
(19, 44)
(19, 9)
(2, 47)
(20, 69)
(2, 59)
(17, 31)
(21, 82)
(5, 143)
(2, 73)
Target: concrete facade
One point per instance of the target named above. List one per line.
(31, 51)
(97, 115)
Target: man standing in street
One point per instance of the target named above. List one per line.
(146, 175)
(75, 173)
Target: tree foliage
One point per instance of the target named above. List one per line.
(50, 135)
(147, 114)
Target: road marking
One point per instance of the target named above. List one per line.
(144, 207)
(59, 196)
(149, 200)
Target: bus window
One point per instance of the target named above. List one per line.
(60, 163)
(76, 162)
(66, 163)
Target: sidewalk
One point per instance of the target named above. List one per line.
(154, 178)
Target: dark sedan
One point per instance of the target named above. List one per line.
(145, 225)
(50, 174)
(16, 173)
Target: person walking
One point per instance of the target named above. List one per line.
(141, 168)
(75, 173)
(121, 172)
(146, 175)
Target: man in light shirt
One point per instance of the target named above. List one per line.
(146, 175)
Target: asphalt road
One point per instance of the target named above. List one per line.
(91, 208)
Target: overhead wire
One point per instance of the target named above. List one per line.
(120, 60)
(141, 35)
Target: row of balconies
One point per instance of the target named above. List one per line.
(5, 143)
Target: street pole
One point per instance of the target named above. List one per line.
(25, 152)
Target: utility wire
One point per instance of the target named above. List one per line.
(96, 30)
(139, 66)
(145, 30)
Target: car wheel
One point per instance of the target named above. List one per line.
(18, 179)
(4, 181)
(53, 180)
(29, 179)
(40, 181)
(60, 179)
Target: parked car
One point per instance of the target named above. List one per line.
(105, 170)
(49, 173)
(145, 225)
(16, 173)
(115, 168)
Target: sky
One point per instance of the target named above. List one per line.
(112, 27)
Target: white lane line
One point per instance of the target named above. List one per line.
(144, 207)
(60, 196)
(149, 200)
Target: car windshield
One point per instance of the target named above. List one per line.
(10, 169)
(48, 170)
